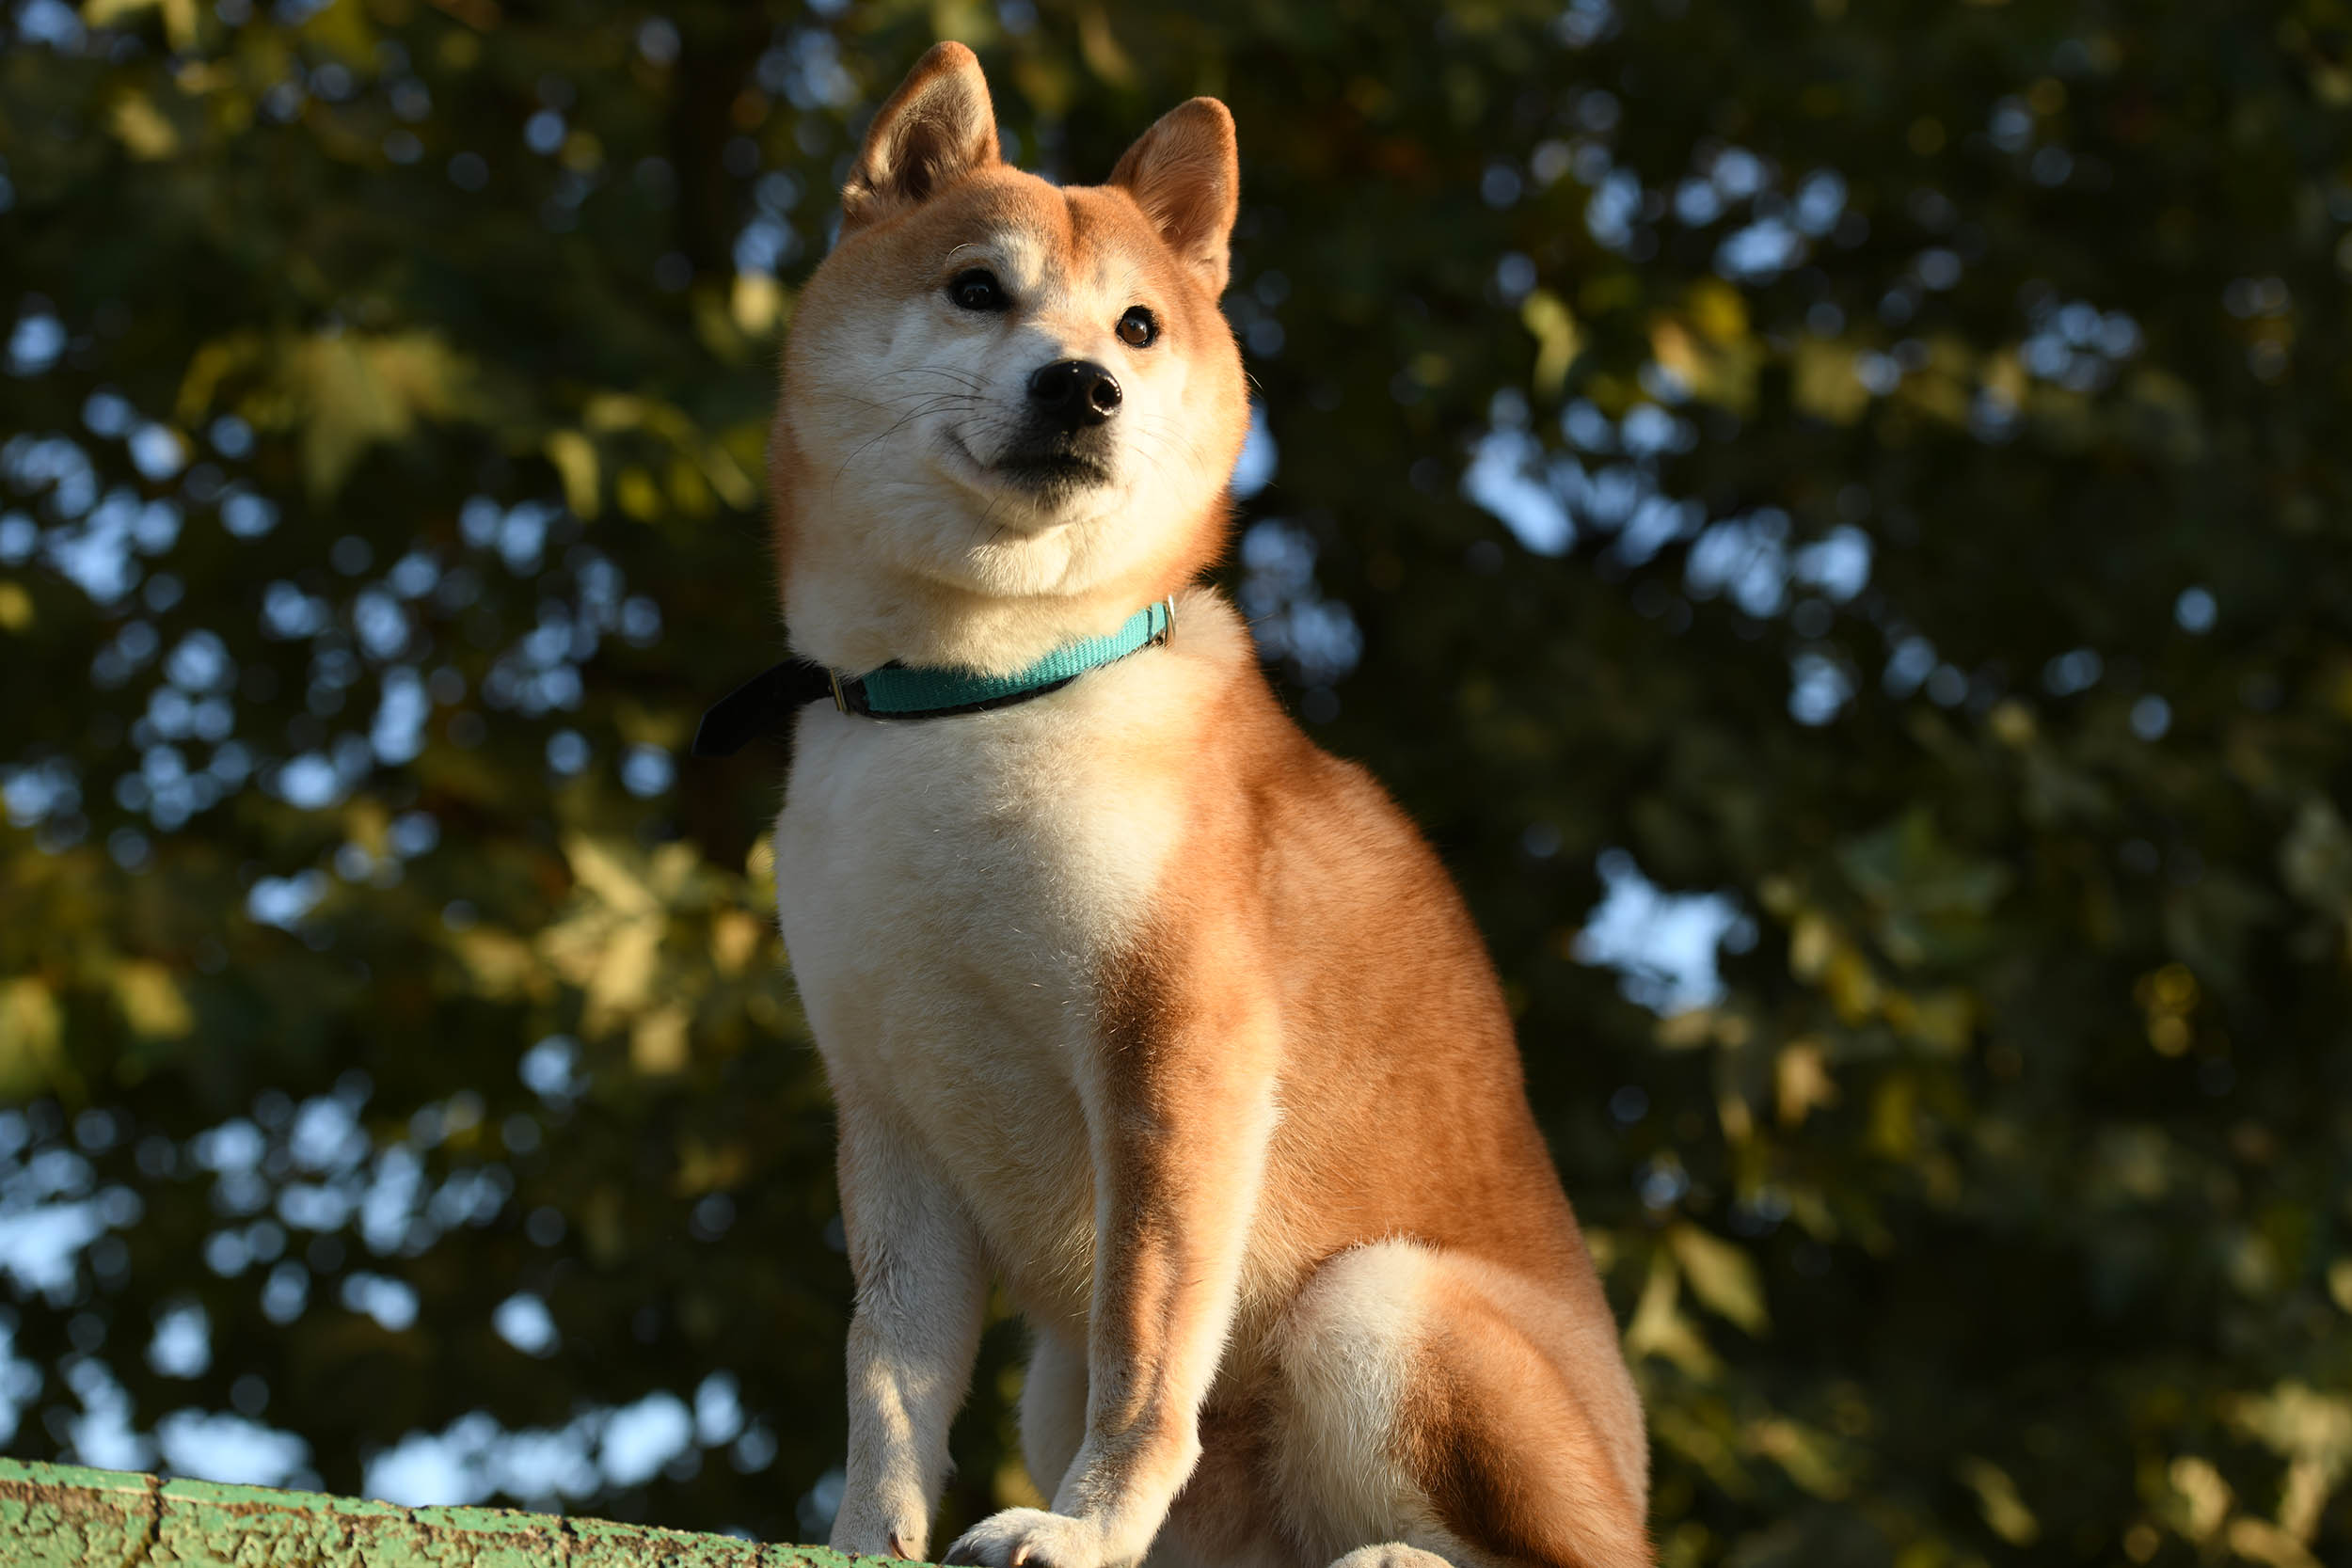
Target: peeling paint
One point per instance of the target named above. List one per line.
(64, 1517)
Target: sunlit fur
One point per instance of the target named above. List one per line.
(1132, 998)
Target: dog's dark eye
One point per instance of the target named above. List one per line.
(1139, 328)
(977, 290)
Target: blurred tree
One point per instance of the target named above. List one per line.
(1878, 475)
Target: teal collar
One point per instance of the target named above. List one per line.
(903, 691)
(766, 703)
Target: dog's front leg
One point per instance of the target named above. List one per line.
(921, 1286)
(1181, 1113)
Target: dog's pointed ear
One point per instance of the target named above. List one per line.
(1185, 174)
(937, 128)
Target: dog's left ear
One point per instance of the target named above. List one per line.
(937, 128)
(1185, 174)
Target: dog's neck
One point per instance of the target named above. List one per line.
(846, 611)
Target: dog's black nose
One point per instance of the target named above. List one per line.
(1074, 392)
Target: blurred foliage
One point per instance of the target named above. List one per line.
(1878, 474)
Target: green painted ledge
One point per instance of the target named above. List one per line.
(64, 1516)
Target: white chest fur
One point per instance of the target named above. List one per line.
(950, 891)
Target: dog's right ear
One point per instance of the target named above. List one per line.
(937, 128)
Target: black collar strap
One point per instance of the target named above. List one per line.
(762, 705)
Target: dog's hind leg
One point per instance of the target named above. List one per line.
(1422, 1422)
(1053, 1409)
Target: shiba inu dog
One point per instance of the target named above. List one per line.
(1130, 996)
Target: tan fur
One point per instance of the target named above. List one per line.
(1130, 996)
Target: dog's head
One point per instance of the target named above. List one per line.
(1001, 392)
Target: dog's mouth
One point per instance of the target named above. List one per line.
(1051, 466)
(1046, 468)
(1052, 471)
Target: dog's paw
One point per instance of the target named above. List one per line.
(1032, 1538)
(869, 1533)
(1391, 1554)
